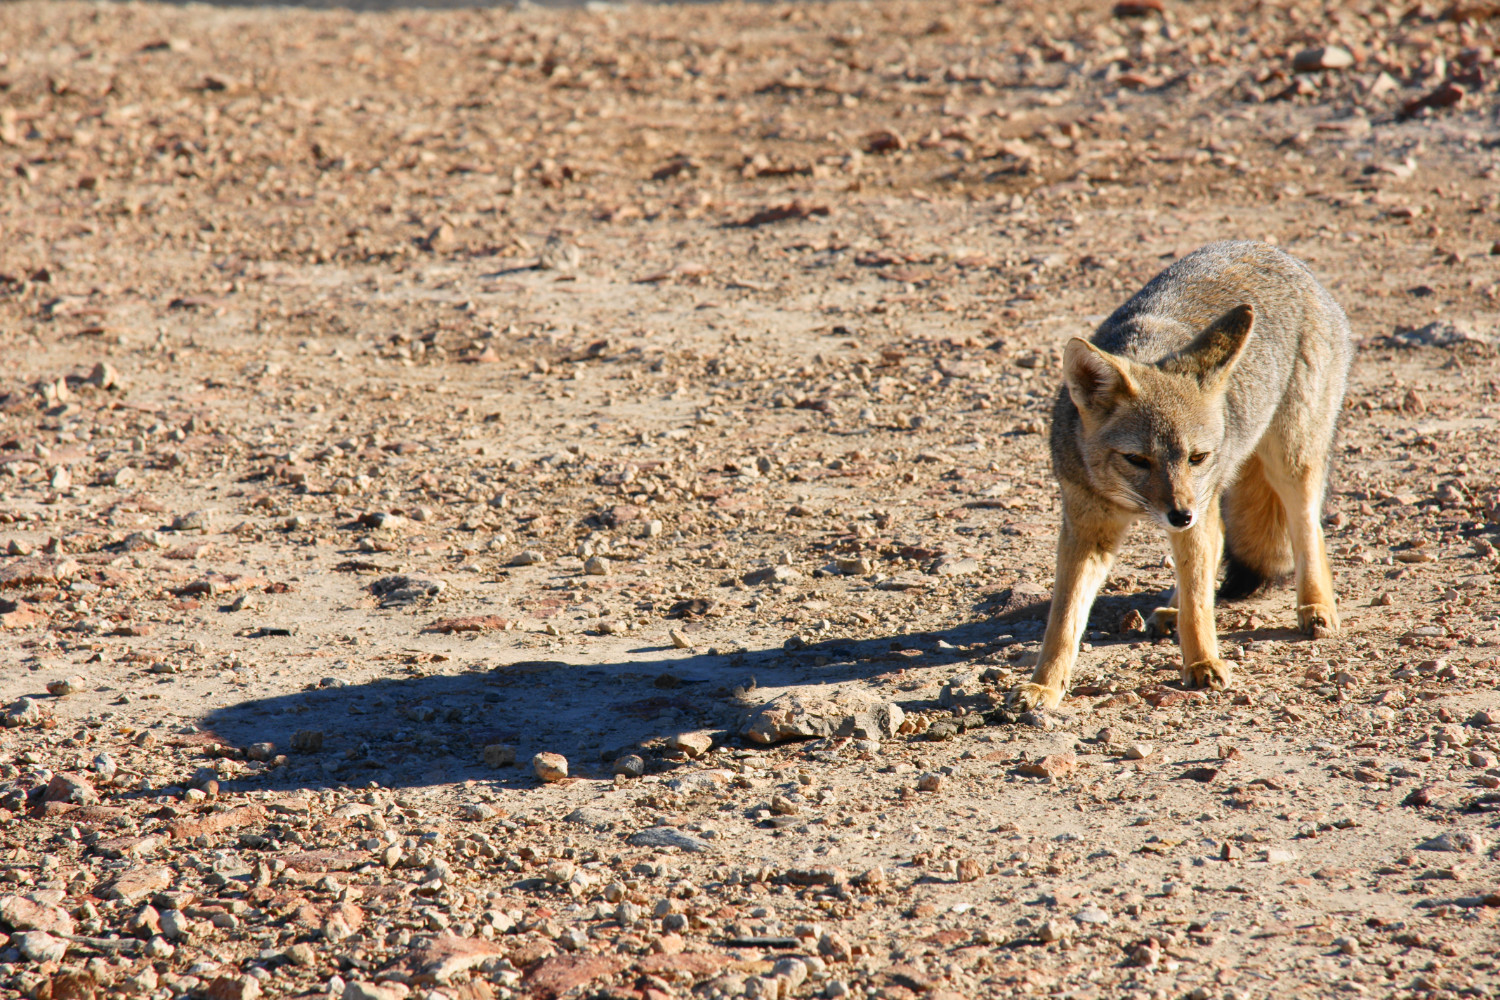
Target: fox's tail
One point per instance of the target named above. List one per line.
(1257, 548)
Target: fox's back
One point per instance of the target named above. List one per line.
(1297, 322)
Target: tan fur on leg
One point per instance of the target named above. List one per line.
(1085, 553)
(1196, 552)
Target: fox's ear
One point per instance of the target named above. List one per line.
(1096, 379)
(1213, 353)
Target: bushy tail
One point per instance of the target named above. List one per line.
(1257, 548)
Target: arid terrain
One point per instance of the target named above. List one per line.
(394, 399)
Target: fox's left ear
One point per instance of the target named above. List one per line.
(1213, 353)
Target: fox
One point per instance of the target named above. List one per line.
(1208, 403)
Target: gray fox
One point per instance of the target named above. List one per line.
(1208, 402)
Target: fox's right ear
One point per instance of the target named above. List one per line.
(1096, 379)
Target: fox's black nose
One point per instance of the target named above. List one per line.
(1179, 518)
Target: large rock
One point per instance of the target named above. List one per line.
(800, 716)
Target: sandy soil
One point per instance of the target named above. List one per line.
(681, 361)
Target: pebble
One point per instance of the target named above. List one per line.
(500, 755)
(39, 946)
(530, 557)
(596, 566)
(550, 766)
(1052, 930)
(1457, 842)
(680, 639)
(630, 765)
(694, 744)
(68, 685)
(930, 782)
(1054, 766)
(1321, 58)
(195, 520)
(69, 787)
(1139, 751)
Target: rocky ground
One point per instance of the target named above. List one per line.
(393, 401)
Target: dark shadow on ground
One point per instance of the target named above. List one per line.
(428, 730)
(425, 730)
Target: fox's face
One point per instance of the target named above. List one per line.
(1152, 433)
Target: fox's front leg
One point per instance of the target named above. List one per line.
(1085, 553)
(1197, 551)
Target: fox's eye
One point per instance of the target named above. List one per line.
(1139, 461)
(1197, 458)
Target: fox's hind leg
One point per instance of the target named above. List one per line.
(1300, 486)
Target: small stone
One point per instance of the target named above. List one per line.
(105, 375)
(403, 589)
(307, 740)
(1052, 930)
(195, 520)
(262, 751)
(630, 765)
(834, 947)
(550, 766)
(666, 836)
(1231, 852)
(39, 946)
(69, 787)
(1323, 57)
(799, 716)
(969, 870)
(930, 782)
(680, 639)
(1139, 751)
(1279, 856)
(24, 712)
(530, 557)
(1347, 945)
(22, 914)
(771, 574)
(387, 990)
(68, 685)
(595, 566)
(956, 566)
(1457, 842)
(501, 755)
(694, 744)
(1054, 766)
(1091, 915)
(233, 988)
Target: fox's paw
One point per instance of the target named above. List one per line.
(1162, 622)
(1212, 673)
(1028, 696)
(1320, 621)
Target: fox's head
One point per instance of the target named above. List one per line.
(1152, 432)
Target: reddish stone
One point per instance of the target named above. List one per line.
(229, 819)
(552, 977)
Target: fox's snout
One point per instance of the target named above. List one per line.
(1181, 517)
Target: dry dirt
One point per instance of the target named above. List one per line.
(741, 323)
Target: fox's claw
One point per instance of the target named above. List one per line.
(1211, 673)
(1162, 622)
(1318, 620)
(1028, 696)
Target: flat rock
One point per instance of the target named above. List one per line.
(445, 956)
(22, 913)
(552, 977)
(229, 819)
(403, 589)
(800, 716)
(39, 946)
(1054, 766)
(69, 787)
(666, 836)
(138, 883)
(1457, 842)
(771, 574)
(1441, 333)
